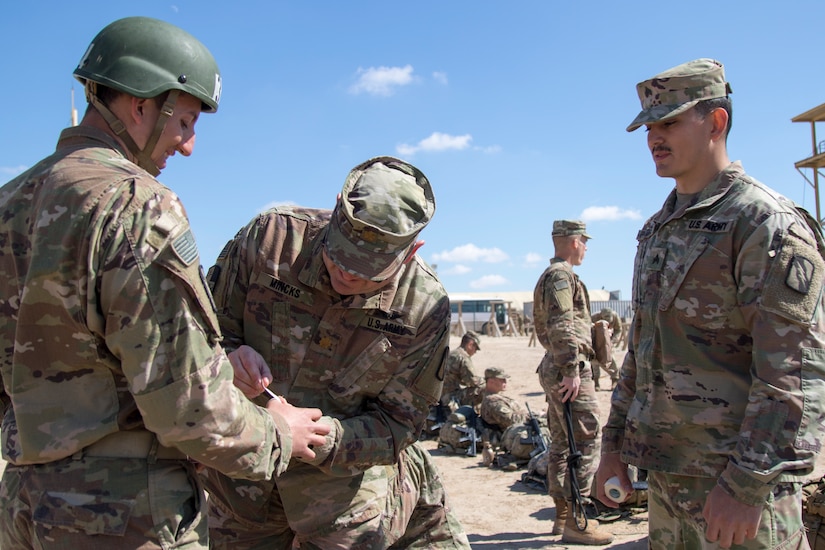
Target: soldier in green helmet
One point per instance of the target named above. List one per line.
(113, 380)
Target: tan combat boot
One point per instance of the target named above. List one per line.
(592, 536)
(561, 515)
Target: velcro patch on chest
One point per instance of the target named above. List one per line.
(710, 226)
(387, 326)
(285, 289)
(654, 260)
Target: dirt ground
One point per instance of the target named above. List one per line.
(496, 508)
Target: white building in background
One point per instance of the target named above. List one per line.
(506, 313)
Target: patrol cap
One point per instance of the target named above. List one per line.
(567, 228)
(676, 90)
(474, 336)
(383, 206)
(495, 372)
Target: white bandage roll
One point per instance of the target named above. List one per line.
(614, 491)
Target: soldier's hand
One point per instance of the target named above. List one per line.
(728, 520)
(569, 388)
(306, 431)
(611, 465)
(252, 374)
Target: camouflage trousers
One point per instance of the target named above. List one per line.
(611, 368)
(102, 503)
(397, 506)
(675, 519)
(586, 434)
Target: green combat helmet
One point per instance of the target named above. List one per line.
(146, 58)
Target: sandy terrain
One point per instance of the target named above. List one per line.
(497, 509)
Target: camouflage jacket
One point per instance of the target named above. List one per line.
(501, 411)
(372, 363)
(614, 321)
(107, 324)
(724, 374)
(459, 373)
(561, 313)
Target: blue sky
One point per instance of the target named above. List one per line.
(516, 111)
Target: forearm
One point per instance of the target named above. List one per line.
(782, 429)
(358, 443)
(394, 419)
(207, 418)
(614, 430)
(565, 346)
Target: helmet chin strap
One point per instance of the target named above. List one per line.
(143, 157)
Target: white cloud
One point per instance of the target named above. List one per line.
(459, 269)
(382, 81)
(440, 77)
(487, 281)
(490, 149)
(609, 213)
(13, 170)
(471, 253)
(533, 258)
(436, 142)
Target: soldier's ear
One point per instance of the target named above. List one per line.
(719, 117)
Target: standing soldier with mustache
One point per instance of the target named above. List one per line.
(720, 395)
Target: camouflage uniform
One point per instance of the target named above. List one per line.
(723, 380)
(613, 320)
(561, 309)
(615, 324)
(497, 410)
(461, 384)
(500, 411)
(371, 362)
(112, 372)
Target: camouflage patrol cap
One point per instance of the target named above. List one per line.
(383, 206)
(567, 228)
(474, 336)
(495, 372)
(676, 90)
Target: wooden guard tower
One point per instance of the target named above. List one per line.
(817, 159)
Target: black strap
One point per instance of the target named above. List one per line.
(574, 460)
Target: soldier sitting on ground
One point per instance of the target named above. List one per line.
(499, 411)
(461, 384)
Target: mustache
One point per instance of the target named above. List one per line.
(660, 149)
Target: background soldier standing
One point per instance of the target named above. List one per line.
(353, 322)
(604, 357)
(561, 309)
(112, 373)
